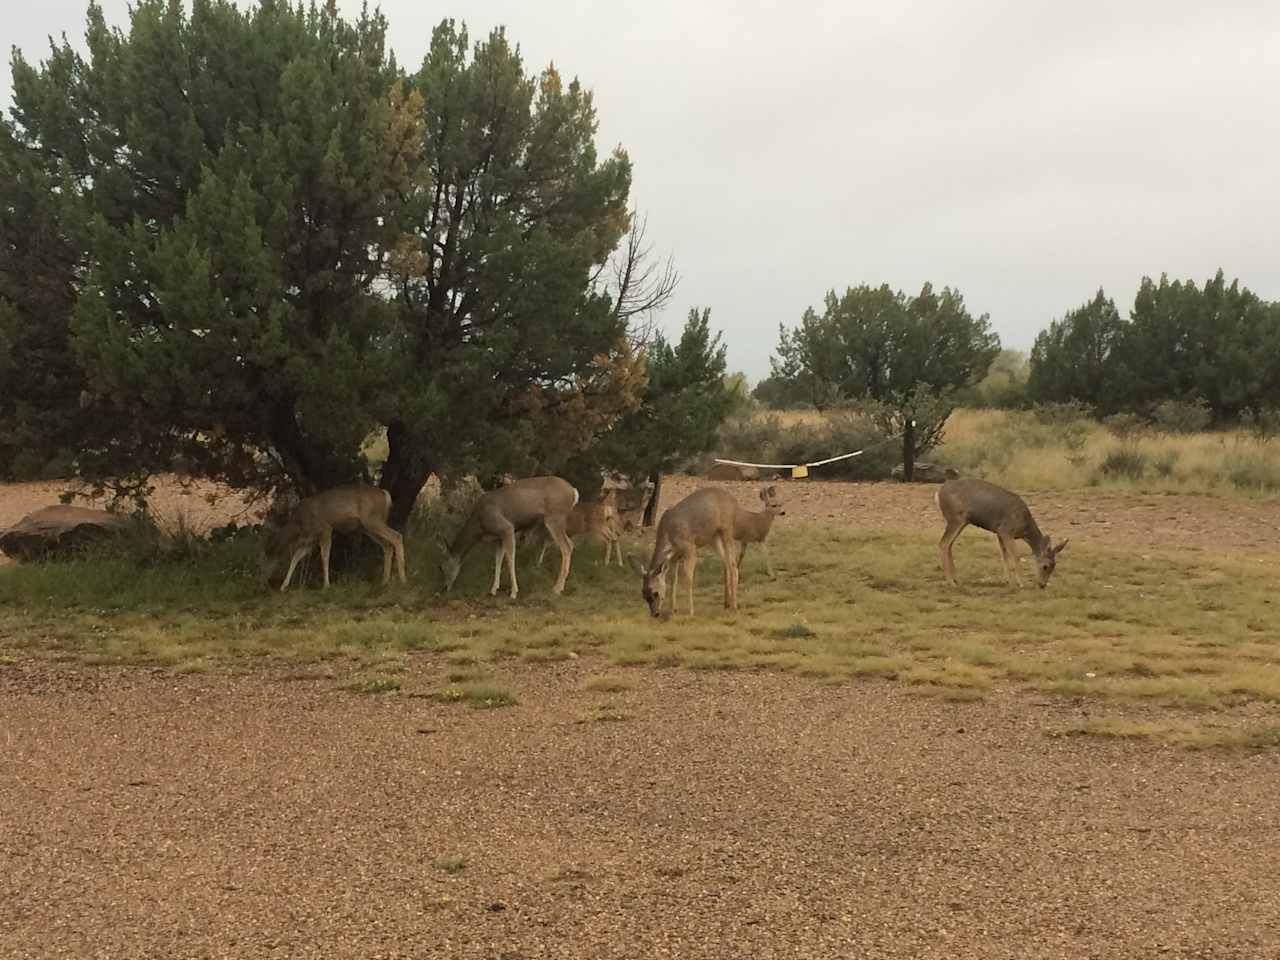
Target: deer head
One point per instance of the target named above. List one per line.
(1047, 560)
(653, 584)
(772, 501)
(449, 566)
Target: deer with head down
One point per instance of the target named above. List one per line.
(706, 516)
(968, 500)
(500, 514)
(348, 509)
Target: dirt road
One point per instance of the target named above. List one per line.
(692, 815)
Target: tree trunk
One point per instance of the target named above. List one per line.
(908, 449)
(651, 508)
(403, 475)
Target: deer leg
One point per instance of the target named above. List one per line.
(542, 554)
(398, 546)
(768, 562)
(293, 564)
(392, 547)
(326, 542)
(555, 527)
(731, 573)
(1010, 559)
(498, 552)
(688, 567)
(944, 546)
(509, 548)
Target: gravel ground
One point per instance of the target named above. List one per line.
(718, 815)
(144, 814)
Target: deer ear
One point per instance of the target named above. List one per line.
(1060, 547)
(637, 566)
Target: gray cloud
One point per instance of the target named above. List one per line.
(1023, 152)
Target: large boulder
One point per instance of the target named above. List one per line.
(52, 532)
(926, 473)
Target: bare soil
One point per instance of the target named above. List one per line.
(1158, 521)
(145, 814)
(692, 815)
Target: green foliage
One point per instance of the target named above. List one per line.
(1219, 343)
(258, 242)
(768, 439)
(685, 401)
(1073, 359)
(1005, 385)
(878, 344)
(1182, 416)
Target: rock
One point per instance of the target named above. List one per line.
(58, 531)
(926, 473)
(729, 471)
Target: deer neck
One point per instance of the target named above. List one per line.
(1038, 541)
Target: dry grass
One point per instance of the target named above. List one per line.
(1020, 451)
(1189, 635)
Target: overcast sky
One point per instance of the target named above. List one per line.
(1024, 152)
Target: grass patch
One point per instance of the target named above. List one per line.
(1167, 629)
(374, 684)
(451, 864)
(477, 695)
(1189, 736)
(606, 684)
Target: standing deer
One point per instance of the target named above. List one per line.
(313, 521)
(967, 500)
(705, 516)
(499, 514)
(754, 527)
(598, 519)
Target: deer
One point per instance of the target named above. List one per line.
(500, 514)
(599, 519)
(708, 515)
(753, 527)
(968, 500)
(347, 509)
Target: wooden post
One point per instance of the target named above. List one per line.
(651, 508)
(908, 450)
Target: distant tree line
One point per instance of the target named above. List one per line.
(1214, 348)
(1218, 344)
(247, 240)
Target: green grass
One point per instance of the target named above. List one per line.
(451, 864)
(1193, 634)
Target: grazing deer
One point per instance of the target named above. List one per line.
(629, 505)
(500, 514)
(598, 519)
(754, 527)
(705, 516)
(313, 521)
(967, 500)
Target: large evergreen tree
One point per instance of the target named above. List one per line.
(877, 343)
(248, 239)
(1078, 357)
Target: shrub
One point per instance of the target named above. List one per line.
(1164, 463)
(1183, 416)
(1263, 424)
(768, 440)
(1125, 461)
(1060, 414)
(1124, 426)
